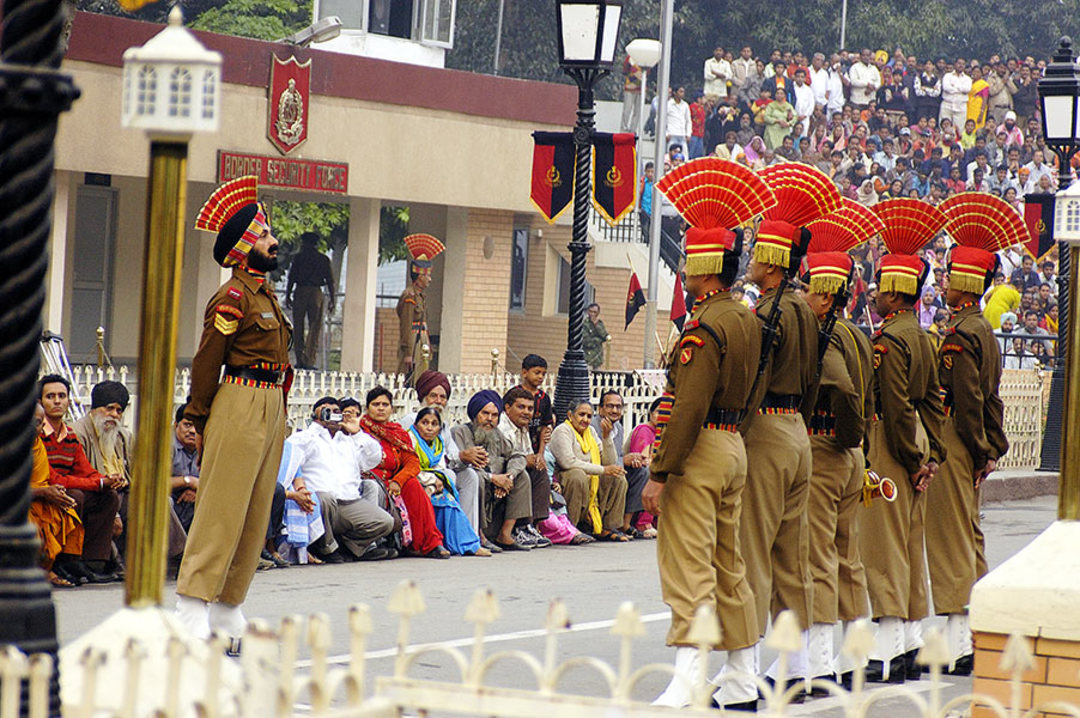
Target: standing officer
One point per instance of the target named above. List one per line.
(309, 273)
(837, 433)
(699, 468)
(775, 528)
(411, 307)
(906, 443)
(970, 371)
(241, 421)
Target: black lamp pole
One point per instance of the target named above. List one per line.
(1060, 72)
(572, 383)
(32, 95)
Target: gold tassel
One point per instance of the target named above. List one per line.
(771, 254)
(966, 283)
(826, 284)
(903, 283)
(697, 265)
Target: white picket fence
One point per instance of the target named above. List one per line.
(267, 681)
(1022, 392)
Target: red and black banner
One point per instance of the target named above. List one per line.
(552, 173)
(678, 303)
(614, 174)
(1039, 218)
(635, 299)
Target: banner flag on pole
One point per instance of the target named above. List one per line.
(552, 173)
(1039, 218)
(678, 303)
(635, 299)
(614, 174)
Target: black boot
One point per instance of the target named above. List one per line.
(964, 666)
(799, 697)
(875, 671)
(912, 666)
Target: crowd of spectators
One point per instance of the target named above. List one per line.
(357, 483)
(883, 126)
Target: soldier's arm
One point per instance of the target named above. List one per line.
(893, 363)
(695, 384)
(224, 315)
(960, 370)
(932, 415)
(405, 309)
(845, 400)
(810, 329)
(993, 408)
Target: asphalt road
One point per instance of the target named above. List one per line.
(592, 580)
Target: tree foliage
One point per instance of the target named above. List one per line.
(260, 19)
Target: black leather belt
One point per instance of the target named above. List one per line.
(264, 375)
(722, 416)
(781, 401)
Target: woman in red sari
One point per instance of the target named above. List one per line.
(398, 472)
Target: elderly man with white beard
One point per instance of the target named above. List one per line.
(109, 448)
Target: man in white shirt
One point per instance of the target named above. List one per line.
(1037, 168)
(717, 74)
(743, 68)
(955, 86)
(834, 86)
(865, 79)
(332, 454)
(804, 100)
(678, 118)
(518, 406)
(819, 80)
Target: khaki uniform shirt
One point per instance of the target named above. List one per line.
(846, 387)
(243, 326)
(412, 320)
(713, 368)
(793, 367)
(970, 371)
(906, 382)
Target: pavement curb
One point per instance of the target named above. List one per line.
(1017, 486)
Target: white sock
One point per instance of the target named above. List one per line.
(845, 663)
(227, 619)
(888, 642)
(680, 690)
(912, 635)
(968, 640)
(736, 678)
(798, 663)
(958, 637)
(819, 646)
(193, 615)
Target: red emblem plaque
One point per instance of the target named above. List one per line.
(288, 103)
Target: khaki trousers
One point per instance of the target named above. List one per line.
(307, 323)
(837, 571)
(891, 537)
(952, 528)
(698, 543)
(610, 497)
(241, 452)
(775, 529)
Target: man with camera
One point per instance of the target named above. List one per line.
(332, 454)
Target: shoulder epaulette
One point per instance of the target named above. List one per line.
(234, 293)
(690, 325)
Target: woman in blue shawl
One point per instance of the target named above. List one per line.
(438, 481)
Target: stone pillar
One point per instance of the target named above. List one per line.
(55, 281)
(358, 309)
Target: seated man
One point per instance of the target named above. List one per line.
(184, 483)
(514, 425)
(608, 421)
(331, 454)
(507, 495)
(96, 500)
(109, 449)
(52, 511)
(433, 389)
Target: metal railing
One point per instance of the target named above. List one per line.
(180, 676)
(1027, 360)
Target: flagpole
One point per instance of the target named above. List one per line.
(662, 81)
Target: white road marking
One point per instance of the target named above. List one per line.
(494, 638)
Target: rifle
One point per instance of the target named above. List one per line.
(827, 326)
(769, 335)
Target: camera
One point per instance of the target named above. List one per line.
(329, 415)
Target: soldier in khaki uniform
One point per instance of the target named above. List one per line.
(837, 431)
(775, 527)
(411, 307)
(699, 469)
(970, 371)
(906, 443)
(241, 421)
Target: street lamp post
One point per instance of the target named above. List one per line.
(171, 89)
(1059, 95)
(33, 95)
(588, 32)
